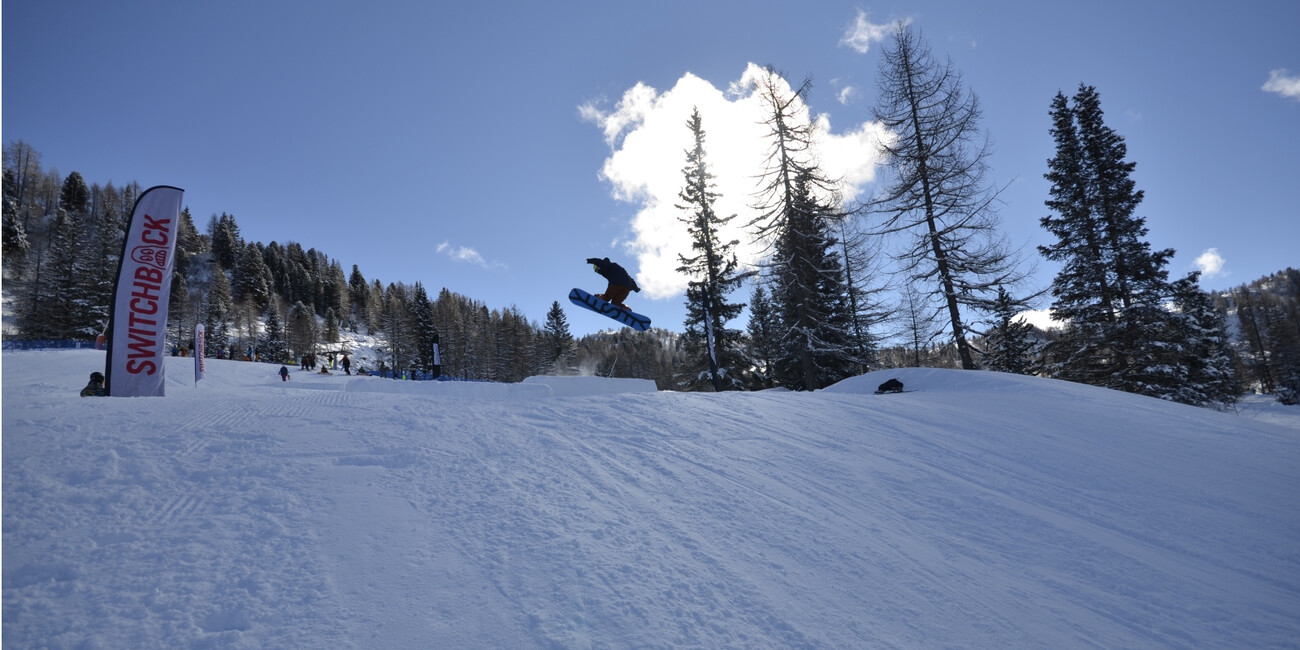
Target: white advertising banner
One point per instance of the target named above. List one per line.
(138, 326)
(199, 349)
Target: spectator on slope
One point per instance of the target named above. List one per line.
(96, 386)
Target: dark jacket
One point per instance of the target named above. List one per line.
(616, 274)
(93, 389)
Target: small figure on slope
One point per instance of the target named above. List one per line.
(96, 386)
(620, 283)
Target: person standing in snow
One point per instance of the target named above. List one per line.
(620, 283)
(347, 365)
(284, 373)
(96, 386)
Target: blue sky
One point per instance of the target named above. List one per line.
(491, 147)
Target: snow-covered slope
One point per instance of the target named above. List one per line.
(980, 511)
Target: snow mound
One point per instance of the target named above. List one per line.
(980, 511)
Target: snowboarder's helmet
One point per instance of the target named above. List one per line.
(97, 376)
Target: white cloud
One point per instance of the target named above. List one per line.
(1283, 84)
(467, 255)
(648, 135)
(1040, 318)
(1211, 264)
(846, 94)
(863, 33)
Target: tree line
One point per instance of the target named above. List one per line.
(820, 307)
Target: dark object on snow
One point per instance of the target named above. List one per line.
(891, 386)
(96, 386)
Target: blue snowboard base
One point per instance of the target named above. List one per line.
(631, 319)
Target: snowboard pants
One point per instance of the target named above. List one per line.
(615, 294)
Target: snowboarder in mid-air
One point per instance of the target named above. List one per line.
(610, 304)
(620, 283)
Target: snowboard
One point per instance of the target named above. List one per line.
(630, 318)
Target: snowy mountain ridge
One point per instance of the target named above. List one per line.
(983, 510)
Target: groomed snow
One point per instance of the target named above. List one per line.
(980, 511)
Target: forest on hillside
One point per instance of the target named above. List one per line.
(282, 299)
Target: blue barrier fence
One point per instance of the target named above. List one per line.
(64, 344)
(69, 344)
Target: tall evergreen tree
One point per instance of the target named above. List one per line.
(105, 230)
(1211, 368)
(805, 275)
(16, 244)
(227, 244)
(938, 194)
(358, 292)
(866, 311)
(809, 292)
(425, 330)
(764, 339)
(331, 327)
(713, 269)
(1280, 314)
(398, 328)
(1009, 346)
(556, 341)
(1111, 287)
(252, 280)
(300, 329)
(218, 306)
(272, 346)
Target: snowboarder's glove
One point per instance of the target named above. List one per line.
(592, 260)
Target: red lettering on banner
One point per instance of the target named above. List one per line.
(142, 329)
(155, 231)
(149, 306)
(136, 367)
(146, 274)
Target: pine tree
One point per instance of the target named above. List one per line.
(805, 275)
(764, 339)
(1281, 317)
(1009, 347)
(866, 311)
(301, 329)
(105, 231)
(809, 292)
(556, 341)
(398, 328)
(713, 269)
(16, 244)
(252, 280)
(1253, 331)
(59, 303)
(218, 307)
(271, 345)
(227, 245)
(424, 329)
(331, 327)
(358, 293)
(1111, 287)
(374, 307)
(938, 195)
(1211, 377)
